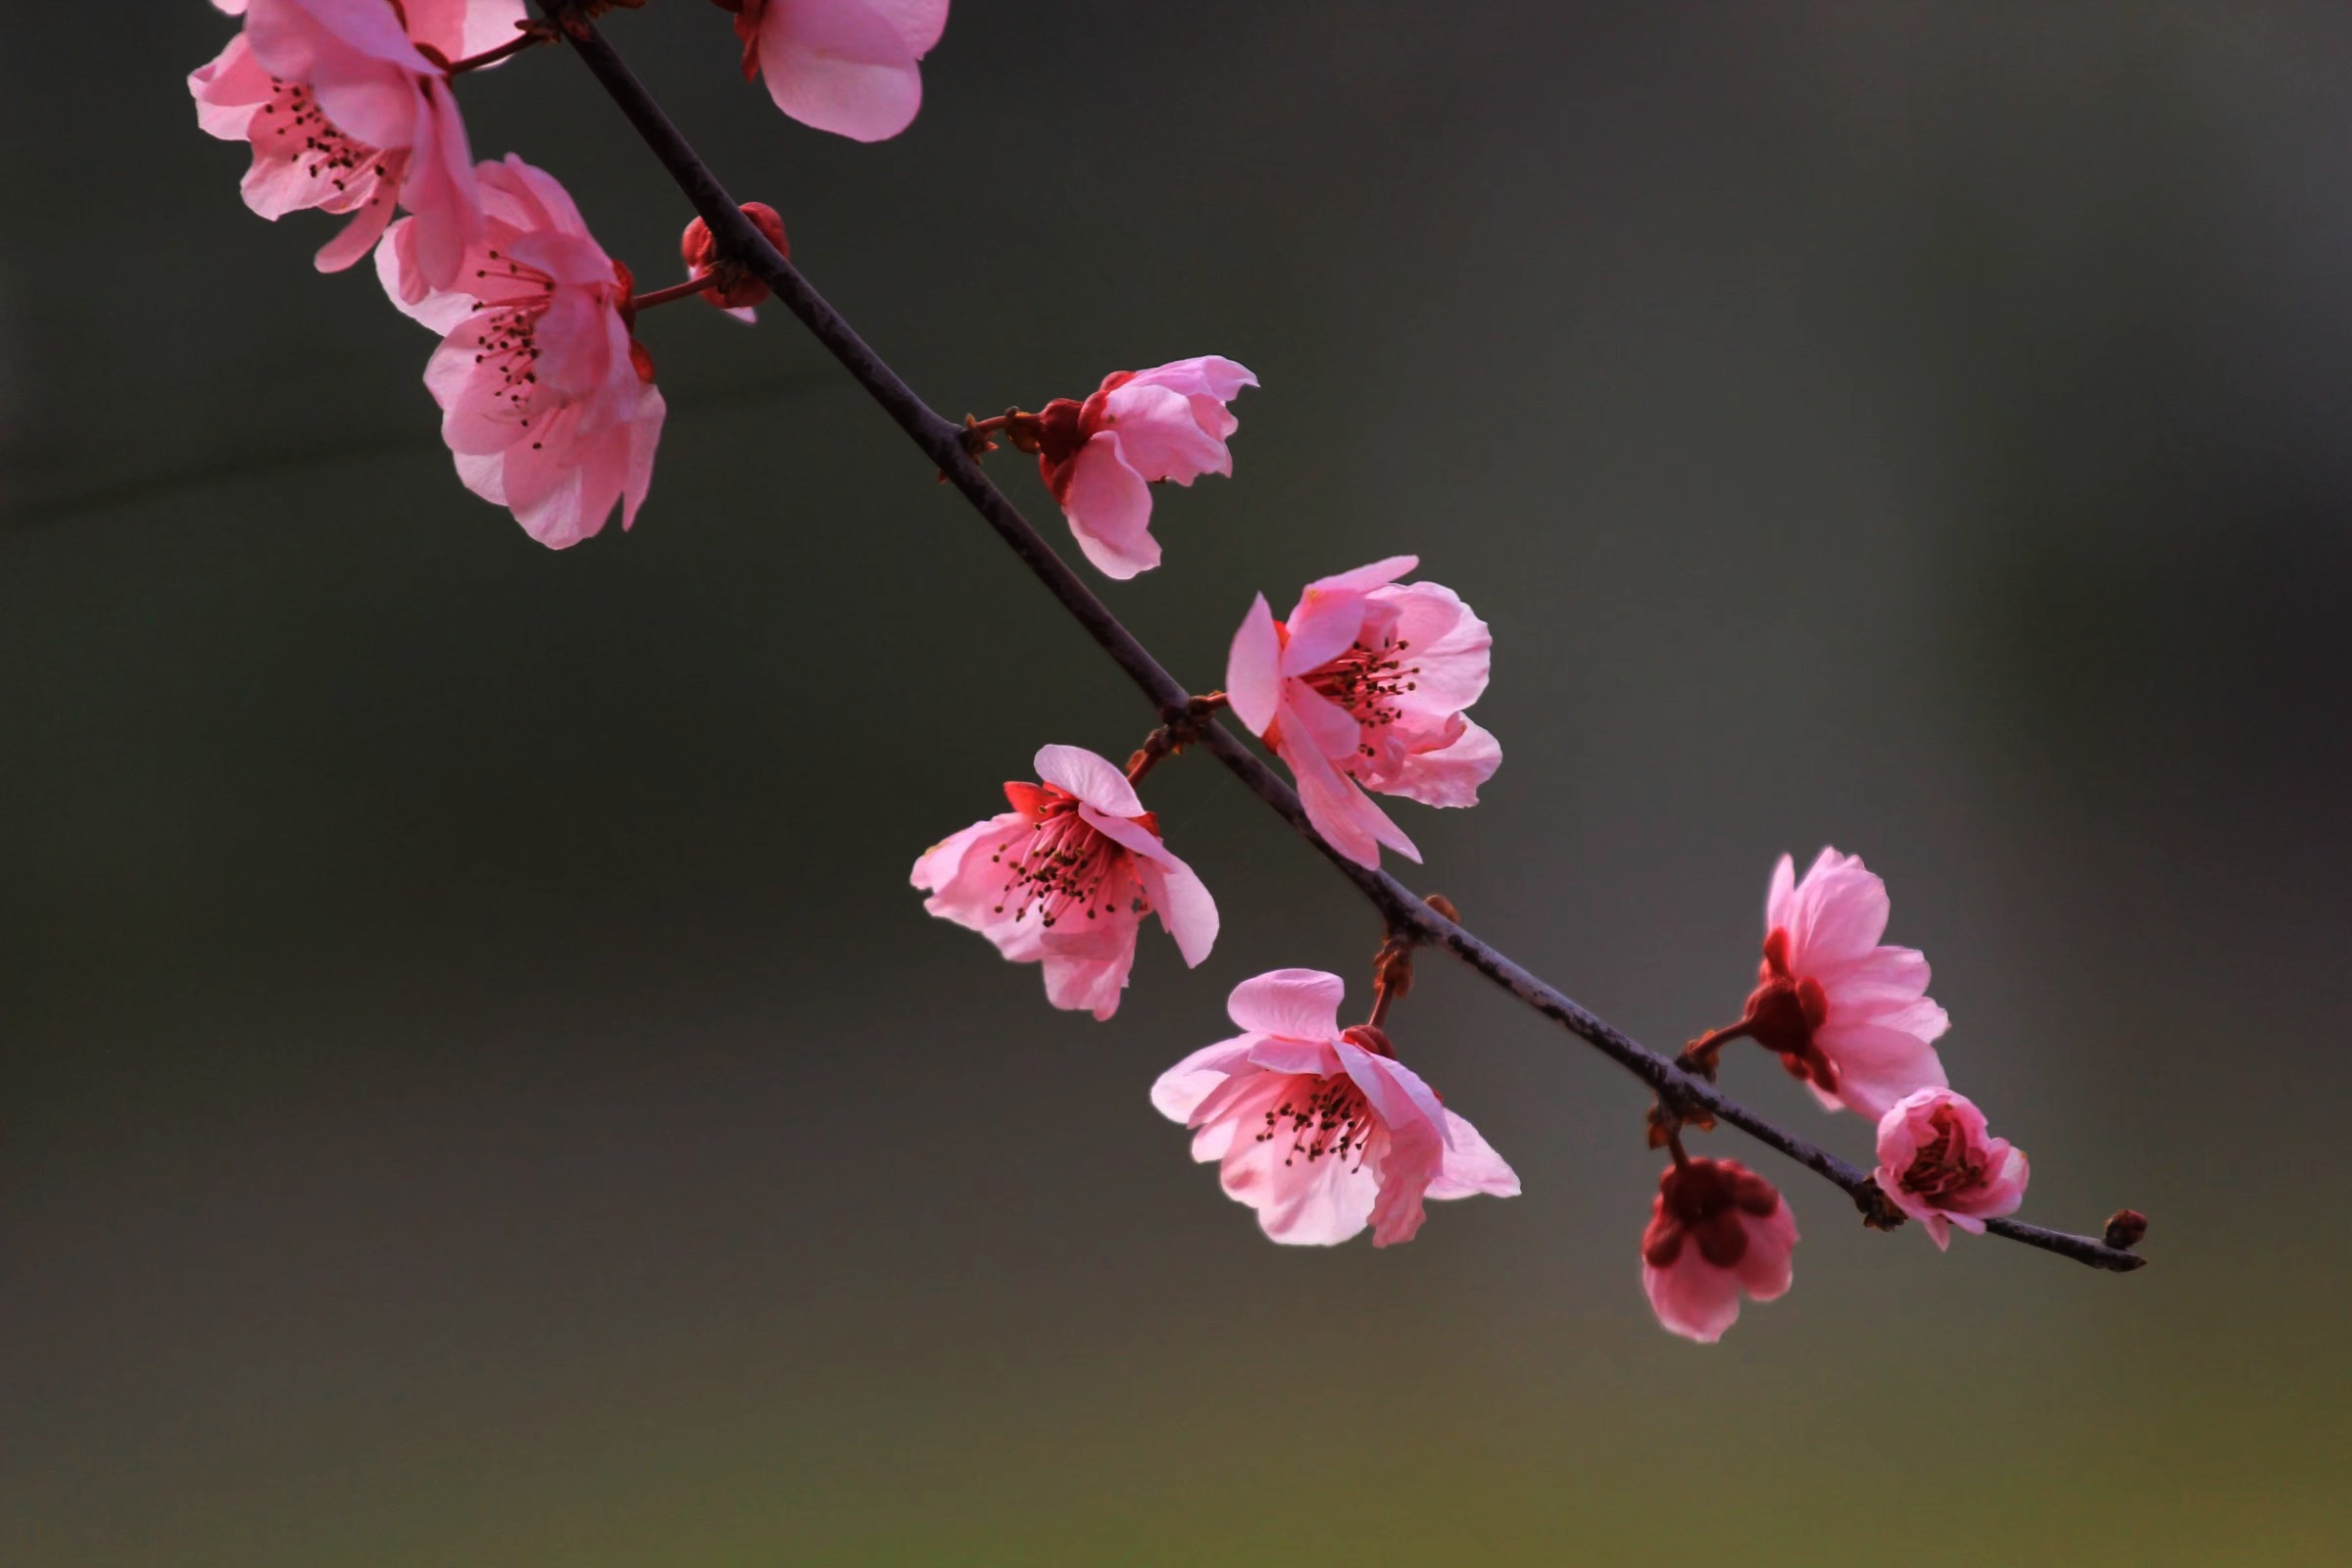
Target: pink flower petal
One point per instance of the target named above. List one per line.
(848, 65)
(1697, 1302)
(1451, 648)
(1109, 509)
(1471, 1165)
(1184, 907)
(1321, 628)
(1088, 982)
(1765, 1271)
(1346, 817)
(1159, 436)
(1211, 376)
(954, 870)
(1840, 911)
(1295, 1003)
(1779, 910)
(1878, 1066)
(356, 237)
(1254, 668)
(1363, 579)
(1311, 1058)
(1089, 777)
(1179, 1091)
(1416, 1147)
(919, 22)
(459, 28)
(229, 90)
(1303, 1203)
(1451, 772)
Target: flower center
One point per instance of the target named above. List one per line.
(1784, 1011)
(1943, 1167)
(1367, 683)
(1063, 865)
(1701, 1201)
(323, 152)
(510, 344)
(1324, 1118)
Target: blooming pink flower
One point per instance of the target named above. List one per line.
(844, 66)
(546, 403)
(1938, 1165)
(1064, 879)
(1716, 1227)
(1102, 457)
(1365, 684)
(349, 110)
(1850, 1018)
(1321, 1129)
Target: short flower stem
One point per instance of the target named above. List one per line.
(1017, 424)
(1699, 1055)
(1674, 1146)
(701, 284)
(1382, 995)
(534, 33)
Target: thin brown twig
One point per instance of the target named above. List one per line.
(943, 441)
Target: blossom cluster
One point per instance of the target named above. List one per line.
(547, 398)
(1362, 689)
(1850, 1015)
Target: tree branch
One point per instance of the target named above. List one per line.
(941, 441)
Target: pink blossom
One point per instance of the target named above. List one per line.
(1938, 1165)
(1849, 1016)
(844, 66)
(1321, 1129)
(1102, 457)
(546, 403)
(1064, 879)
(1364, 685)
(1716, 1227)
(350, 111)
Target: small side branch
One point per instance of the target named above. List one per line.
(945, 443)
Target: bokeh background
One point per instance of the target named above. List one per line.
(478, 1089)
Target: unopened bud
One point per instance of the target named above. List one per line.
(736, 286)
(2126, 1227)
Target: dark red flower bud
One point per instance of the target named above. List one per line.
(2125, 1228)
(736, 286)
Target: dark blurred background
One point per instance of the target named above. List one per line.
(479, 1090)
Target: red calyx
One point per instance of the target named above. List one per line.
(1782, 1012)
(1060, 431)
(734, 285)
(1703, 1200)
(626, 303)
(1064, 426)
(1369, 1037)
(1036, 801)
(748, 15)
(640, 360)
